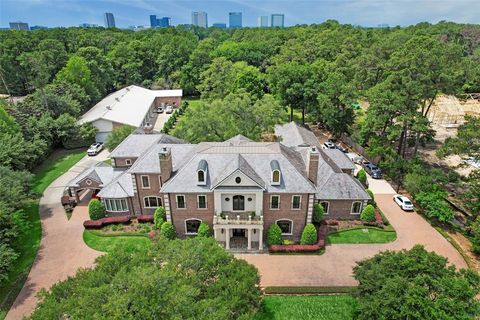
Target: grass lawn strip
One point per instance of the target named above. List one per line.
(308, 290)
(27, 245)
(107, 243)
(331, 307)
(358, 235)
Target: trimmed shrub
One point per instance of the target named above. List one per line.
(368, 214)
(203, 230)
(274, 235)
(168, 230)
(96, 210)
(318, 213)
(362, 177)
(159, 217)
(309, 235)
(372, 200)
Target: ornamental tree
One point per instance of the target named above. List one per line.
(368, 214)
(309, 234)
(362, 177)
(159, 217)
(318, 212)
(274, 235)
(415, 284)
(96, 210)
(168, 230)
(203, 230)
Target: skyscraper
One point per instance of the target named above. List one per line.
(109, 20)
(199, 18)
(162, 22)
(18, 25)
(278, 20)
(219, 25)
(153, 21)
(263, 21)
(235, 19)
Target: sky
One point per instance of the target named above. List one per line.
(54, 13)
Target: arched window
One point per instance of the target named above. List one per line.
(201, 176)
(286, 226)
(276, 177)
(191, 226)
(152, 202)
(239, 203)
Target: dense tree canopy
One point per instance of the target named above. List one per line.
(415, 284)
(173, 279)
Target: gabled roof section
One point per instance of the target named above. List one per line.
(239, 164)
(126, 106)
(339, 158)
(102, 173)
(136, 144)
(120, 187)
(293, 135)
(238, 139)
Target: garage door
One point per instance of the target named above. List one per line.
(101, 136)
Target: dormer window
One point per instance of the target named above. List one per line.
(201, 176)
(276, 173)
(202, 171)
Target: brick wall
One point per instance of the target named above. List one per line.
(298, 217)
(167, 101)
(340, 209)
(191, 211)
(153, 191)
(120, 162)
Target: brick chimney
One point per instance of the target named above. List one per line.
(165, 158)
(312, 164)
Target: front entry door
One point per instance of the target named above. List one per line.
(239, 232)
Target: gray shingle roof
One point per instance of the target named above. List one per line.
(136, 144)
(293, 135)
(101, 173)
(121, 187)
(340, 159)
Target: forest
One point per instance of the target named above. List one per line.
(246, 79)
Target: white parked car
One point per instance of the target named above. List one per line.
(169, 109)
(95, 149)
(403, 202)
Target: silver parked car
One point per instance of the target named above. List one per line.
(169, 109)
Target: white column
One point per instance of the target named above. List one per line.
(227, 238)
(215, 233)
(249, 239)
(260, 239)
(217, 202)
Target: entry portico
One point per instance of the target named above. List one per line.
(238, 225)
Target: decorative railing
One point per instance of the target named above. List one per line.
(238, 218)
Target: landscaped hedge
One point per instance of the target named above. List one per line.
(145, 218)
(98, 224)
(321, 234)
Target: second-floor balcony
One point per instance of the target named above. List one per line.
(238, 218)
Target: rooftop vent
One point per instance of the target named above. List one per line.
(117, 98)
(109, 108)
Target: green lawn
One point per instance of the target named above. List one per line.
(107, 243)
(27, 245)
(56, 165)
(362, 235)
(331, 307)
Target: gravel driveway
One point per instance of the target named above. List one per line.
(62, 250)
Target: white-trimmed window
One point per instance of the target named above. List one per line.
(286, 226)
(202, 201)
(145, 182)
(116, 205)
(296, 202)
(192, 225)
(201, 177)
(275, 202)
(128, 162)
(276, 175)
(181, 204)
(326, 206)
(152, 202)
(356, 207)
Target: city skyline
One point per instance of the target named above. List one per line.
(137, 12)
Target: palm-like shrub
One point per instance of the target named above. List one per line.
(274, 235)
(309, 235)
(96, 210)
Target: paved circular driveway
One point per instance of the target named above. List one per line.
(62, 250)
(334, 267)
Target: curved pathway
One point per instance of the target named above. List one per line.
(334, 267)
(62, 250)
